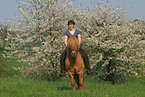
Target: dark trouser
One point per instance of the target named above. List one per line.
(85, 57)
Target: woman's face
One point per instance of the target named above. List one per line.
(71, 26)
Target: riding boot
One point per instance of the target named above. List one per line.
(62, 63)
(86, 61)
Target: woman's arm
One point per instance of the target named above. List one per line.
(65, 37)
(79, 37)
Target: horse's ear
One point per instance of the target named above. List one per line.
(68, 36)
(76, 36)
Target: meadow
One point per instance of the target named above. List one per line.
(11, 86)
(15, 87)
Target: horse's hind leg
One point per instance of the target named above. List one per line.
(76, 76)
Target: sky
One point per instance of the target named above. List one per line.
(9, 10)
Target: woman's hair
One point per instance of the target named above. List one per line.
(71, 22)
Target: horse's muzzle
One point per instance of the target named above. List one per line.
(74, 54)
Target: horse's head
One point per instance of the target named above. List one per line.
(73, 45)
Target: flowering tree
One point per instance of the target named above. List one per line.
(119, 46)
(38, 38)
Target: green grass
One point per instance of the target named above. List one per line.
(16, 87)
(11, 86)
(8, 65)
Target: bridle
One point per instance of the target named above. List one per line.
(75, 50)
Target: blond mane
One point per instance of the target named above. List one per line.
(73, 40)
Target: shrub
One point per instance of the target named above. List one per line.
(38, 37)
(120, 50)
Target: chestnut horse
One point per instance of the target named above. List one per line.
(74, 62)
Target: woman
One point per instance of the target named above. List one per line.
(73, 31)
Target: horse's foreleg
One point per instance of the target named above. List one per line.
(76, 76)
(81, 81)
(72, 80)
